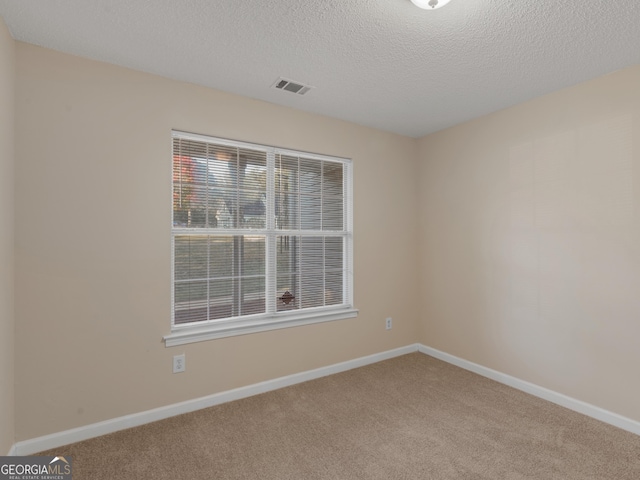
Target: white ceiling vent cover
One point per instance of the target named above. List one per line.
(291, 86)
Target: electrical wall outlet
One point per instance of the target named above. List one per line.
(178, 363)
(389, 323)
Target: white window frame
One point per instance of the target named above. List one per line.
(213, 329)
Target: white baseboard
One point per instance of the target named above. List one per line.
(579, 406)
(28, 447)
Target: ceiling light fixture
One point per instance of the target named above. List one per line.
(430, 4)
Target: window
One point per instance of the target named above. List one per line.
(261, 238)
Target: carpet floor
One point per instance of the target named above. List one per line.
(411, 417)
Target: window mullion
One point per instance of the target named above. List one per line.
(298, 242)
(348, 230)
(322, 226)
(206, 217)
(173, 276)
(208, 277)
(270, 267)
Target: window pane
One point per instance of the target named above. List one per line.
(312, 252)
(253, 209)
(230, 273)
(312, 271)
(252, 170)
(333, 288)
(216, 206)
(286, 174)
(286, 192)
(332, 217)
(287, 298)
(222, 203)
(220, 257)
(332, 196)
(190, 180)
(189, 205)
(287, 260)
(189, 164)
(332, 181)
(190, 300)
(333, 251)
(181, 259)
(191, 293)
(220, 299)
(191, 257)
(221, 198)
(312, 288)
(220, 162)
(287, 211)
(310, 176)
(217, 186)
(253, 295)
(310, 212)
(253, 256)
(252, 186)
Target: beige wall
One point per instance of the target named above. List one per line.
(93, 249)
(6, 239)
(525, 222)
(530, 241)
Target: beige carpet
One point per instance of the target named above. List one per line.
(412, 417)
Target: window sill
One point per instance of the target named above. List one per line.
(184, 335)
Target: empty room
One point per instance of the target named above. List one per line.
(355, 239)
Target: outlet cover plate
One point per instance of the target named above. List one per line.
(179, 363)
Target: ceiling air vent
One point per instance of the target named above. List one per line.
(291, 86)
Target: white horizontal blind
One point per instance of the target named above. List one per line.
(310, 253)
(257, 231)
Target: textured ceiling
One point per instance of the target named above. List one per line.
(380, 63)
